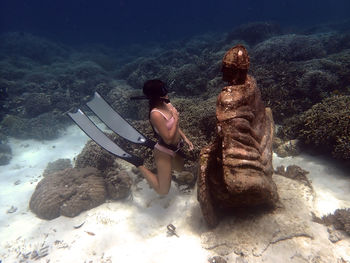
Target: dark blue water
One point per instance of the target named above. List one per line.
(129, 21)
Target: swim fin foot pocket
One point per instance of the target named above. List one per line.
(116, 123)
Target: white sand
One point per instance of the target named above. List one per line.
(132, 230)
(331, 184)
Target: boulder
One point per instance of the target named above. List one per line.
(118, 184)
(68, 193)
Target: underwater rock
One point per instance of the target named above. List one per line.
(185, 178)
(340, 220)
(288, 148)
(334, 235)
(260, 236)
(294, 172)
(56, 166)
(217, 259)
(254, 33)
(5, 154)
(68, 193)
(118, 184)
(236, 170)
(93, 155)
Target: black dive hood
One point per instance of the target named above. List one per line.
(153, 89)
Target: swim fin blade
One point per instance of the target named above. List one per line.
(116, 123)
(101, 139)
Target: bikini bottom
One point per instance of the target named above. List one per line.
(171, 150)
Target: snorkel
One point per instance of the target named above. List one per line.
(154, 90)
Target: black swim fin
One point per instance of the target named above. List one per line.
(101, 139)
(116, 122)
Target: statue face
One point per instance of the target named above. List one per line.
(234, 76)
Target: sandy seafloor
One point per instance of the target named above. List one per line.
(131, 230)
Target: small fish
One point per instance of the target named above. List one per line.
(90, 233)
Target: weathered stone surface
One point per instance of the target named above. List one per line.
(68, 193)
(252, 234)
(236, 170)
(245, 132)
(118, 184)
(294, 172)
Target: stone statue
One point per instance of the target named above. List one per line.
(236, 170)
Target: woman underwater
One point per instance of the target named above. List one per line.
(164, 119)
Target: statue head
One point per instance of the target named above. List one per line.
(235, 65)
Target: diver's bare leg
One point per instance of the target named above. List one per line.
(160, 182)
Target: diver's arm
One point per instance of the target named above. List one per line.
(159, 122)
(189, 143)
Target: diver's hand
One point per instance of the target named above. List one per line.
(175, 113)
(189, 143)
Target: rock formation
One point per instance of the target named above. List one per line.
(68, 193)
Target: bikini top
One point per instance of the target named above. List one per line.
(169, 122)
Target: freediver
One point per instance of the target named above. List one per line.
(164, 119)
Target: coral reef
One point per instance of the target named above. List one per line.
(32, 47)
(324, 127)
(256, 32)
(291, 87)
(119, 98)
(93, 155)
(288, 48)
(186, 73)
(43, 127)
(68, 193)
(40, 76)
(36, 104)
(57, 166)
(294, 72)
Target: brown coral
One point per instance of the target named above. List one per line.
(93, 155)
(68, 193)
(118, 184)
